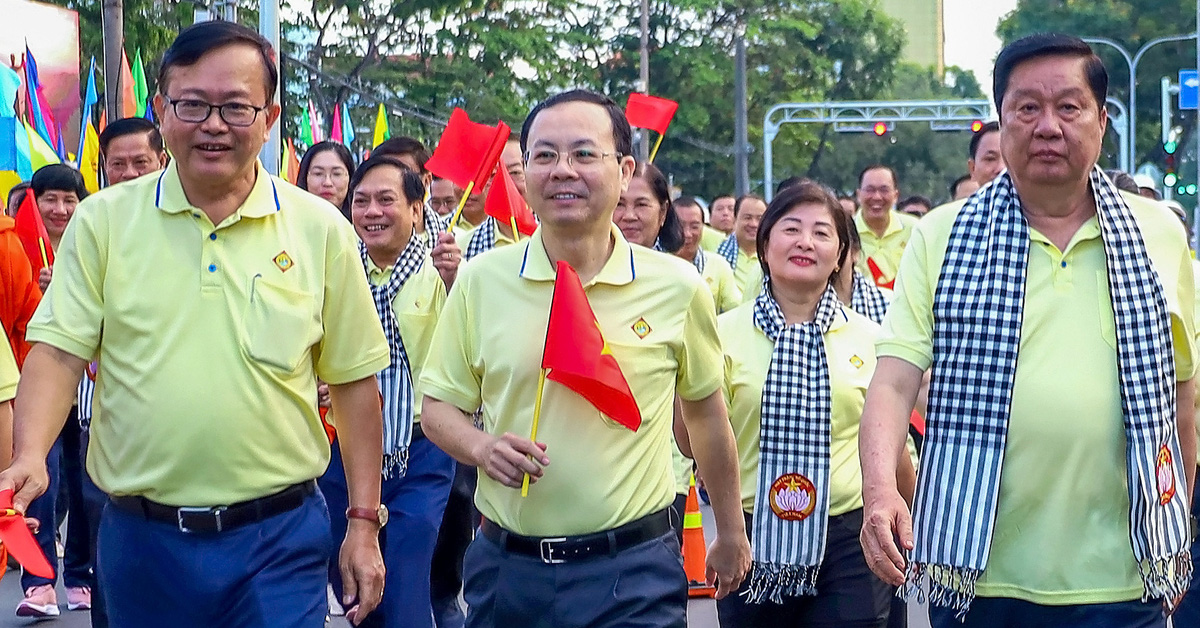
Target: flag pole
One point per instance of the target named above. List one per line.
(461, 204)
(512, 220)
(657, 143)
(537, 414)
(42, 249)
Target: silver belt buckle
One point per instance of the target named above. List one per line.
(546, 549)
(215, 512)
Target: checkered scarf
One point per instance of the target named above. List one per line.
(977, 313)
(84, 396)
(482, 240)
(794, 438)
(395, 381)
(700, 260)
(729, 250)
(867, 299)
(434, 227)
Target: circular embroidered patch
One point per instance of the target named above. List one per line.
(793, 497)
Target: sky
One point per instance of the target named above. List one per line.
(971, 41)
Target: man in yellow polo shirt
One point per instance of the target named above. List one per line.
(214, 296)
(591, 544)
(740, 249)
(883, 230)
(1057, 316)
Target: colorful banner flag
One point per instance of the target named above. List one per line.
(89, 158)
(32, 232)
(505, 203)
(347, 127)
(140, 92)
(14, 142)
(40, 153)
(468, 151)
(577, 356)
(128, 96)
(382, 132)
(650, 112)
(90, 98)
(306, 133)
(40, 117)
(335, 133)
(318, 133)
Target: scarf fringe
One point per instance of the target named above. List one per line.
(395, 464)
(773, 581)
(948, 587)
(1166, 578)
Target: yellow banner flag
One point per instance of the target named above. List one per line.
(381, 127)
(89, 161)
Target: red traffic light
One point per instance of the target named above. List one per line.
(881, 128)
(976, 125)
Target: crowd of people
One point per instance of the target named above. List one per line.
(249, 393)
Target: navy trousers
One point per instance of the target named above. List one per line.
(1188, 613)
(94, 500)
(270, 574)
(994, 612)
(415, 503)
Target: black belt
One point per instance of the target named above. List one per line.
(218, 518)
(417, 432)
(562, 549)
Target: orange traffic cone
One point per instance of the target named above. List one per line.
(695, 553)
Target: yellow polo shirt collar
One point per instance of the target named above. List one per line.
(894, 223)
(619, 270)
(262, 201)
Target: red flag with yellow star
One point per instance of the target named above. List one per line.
(576, 355)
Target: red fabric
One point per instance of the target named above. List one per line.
(19, 540)
(577, 356)
(650, 112)
(504, 202)
(917, 421)
(31, 230)
(19, 293)
(468, 151)
(877, 275)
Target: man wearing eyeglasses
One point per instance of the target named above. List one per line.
(883, 230)
(592, 544)
(207, 294)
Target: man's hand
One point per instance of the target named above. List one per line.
(28, 479)
(362, 569)
(506, 459)
(44, 276)
(885, 518)
(728, 563)
(446, 258)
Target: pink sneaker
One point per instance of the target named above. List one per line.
(79, 598)
(39, 601)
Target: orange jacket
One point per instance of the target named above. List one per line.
(19, 293)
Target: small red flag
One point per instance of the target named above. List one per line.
(468, 151)
(877, 275)
(504, 202)
(576, 355)
(32, 233)
(18, 540)
(650, 112)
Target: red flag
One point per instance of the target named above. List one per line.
(32, 232)
(18, 540)
(504, 202)
(877, 275)
(468, 151)
(650, 112)
(576, 355)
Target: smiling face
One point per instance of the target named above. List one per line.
(877, 193)
(383, 217)
(328, 177)
(639, 215)
(1052, 125)
(802, 248)
(745, 226)
(56, 208)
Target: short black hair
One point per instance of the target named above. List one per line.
(800, 194)
(863, 173)
(977, 137)
(412, 185)
(201, 38)
(917, 199)
(622, 132)
(1124, 181)
(131, 126)
(1048, 45)
(953, 186)
(670, 235)
(337, 148)
(58, 177)
(401, 146)
(737, 204)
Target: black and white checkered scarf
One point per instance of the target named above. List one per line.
(867, 299)
(729, 250)
(977, 311)
(395, 381)
(483, 239)
(794, 440)
(434, 227)
(700, 260)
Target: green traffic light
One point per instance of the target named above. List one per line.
(1191, 189)
(1182, 190)
(1170, 179)
(1170, 147)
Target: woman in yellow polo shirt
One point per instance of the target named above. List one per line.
(797, 366)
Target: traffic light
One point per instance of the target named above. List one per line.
(976, 125)
(1170, 147)
(880, 129)
(1170, 178)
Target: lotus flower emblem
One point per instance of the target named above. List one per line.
(793, 499)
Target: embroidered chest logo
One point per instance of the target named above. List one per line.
(856, 361)
(283, 261)
(1166, 476)
(793, 497)
(641, 328)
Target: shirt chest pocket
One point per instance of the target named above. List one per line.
(280, 325)
(1104, 310)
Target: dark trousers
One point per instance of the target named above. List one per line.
(640, 587)
(1188, 613)
(49, 509)
(996, 612)
(270, 574)
(677, 512)
(415, 503)
(94, 500)
(454, 535)
(848, 594)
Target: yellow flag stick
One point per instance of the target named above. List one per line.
(654, 151)
(516, 234)
(462, 202)
(42, 248)
(537, 414)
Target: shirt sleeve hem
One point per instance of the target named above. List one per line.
(448, 395)
(362, 371)
(891, 349)
(59, 340)
(711, 386)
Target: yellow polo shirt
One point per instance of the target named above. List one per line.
(1062, 523)
(748, 275)
(711, 238)
(9, 375)
(463, 238)
(850, 352)
(212, 337)
(719, 278)
(659, 321)
(886, 251)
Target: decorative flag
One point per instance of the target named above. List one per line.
(505, 203)
(877, 275)
(306, 134)
(90, 98)
(335, 132)
(577, 356)
(14, 143)
(103, 121)
(89, 158)
(32, 232)
(468, 151)
(128, 96)
(381, 128)
(317, 132)
(19, 541)
(293, 162)
(650, 112)
(41, 118)
(347, 127)
(140, 91)
(60, 147)
(40, 153)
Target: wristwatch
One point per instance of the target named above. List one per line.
(379, 515)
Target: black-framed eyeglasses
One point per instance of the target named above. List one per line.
(196, 111)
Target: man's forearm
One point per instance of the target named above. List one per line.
(715, 451)
(360, 435)
(452, 430)
(49, 380)
(1185, 394)
(881, 435)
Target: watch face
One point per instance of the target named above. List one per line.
(383, 515)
